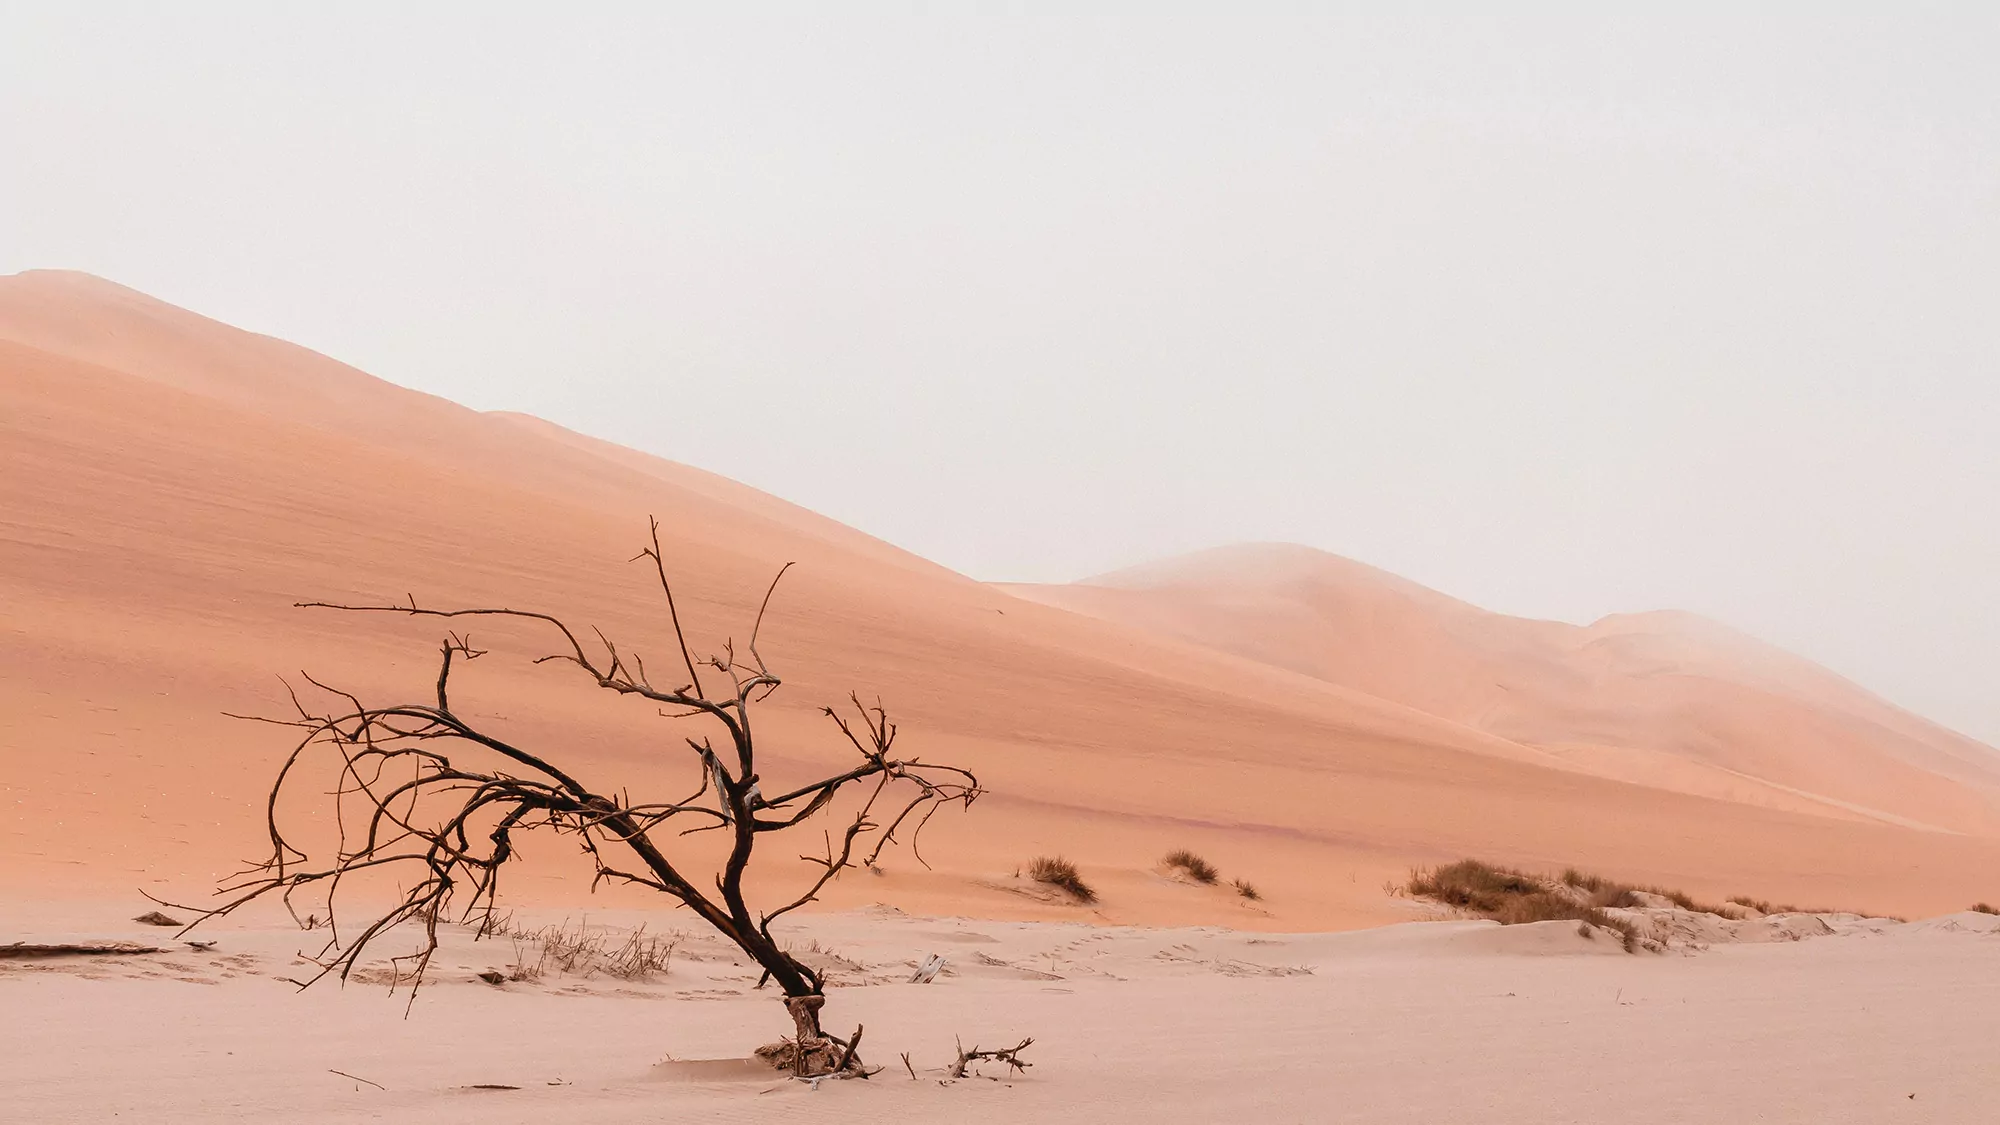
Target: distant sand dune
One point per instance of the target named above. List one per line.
(1664, 699)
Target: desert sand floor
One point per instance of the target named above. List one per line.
(1422, 1022)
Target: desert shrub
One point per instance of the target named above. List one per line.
(1510, 897)
(1984, 908)
(1514, 898)
(1195, 867)
(1471, 885)
(1061, 873)
(1247, 891)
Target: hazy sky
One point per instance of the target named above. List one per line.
(1561, 310)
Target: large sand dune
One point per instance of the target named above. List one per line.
(169, 486)
(1670, 699)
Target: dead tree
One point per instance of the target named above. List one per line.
(423, 791)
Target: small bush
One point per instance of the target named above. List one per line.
(1195, 867)
(1513, 898)
(1471, 885)
(1059, 872)
(1247, 891)
(1509, 897)
(1984, 908)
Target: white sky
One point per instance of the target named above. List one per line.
(1559, 310)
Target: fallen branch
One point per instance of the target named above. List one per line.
(1009, 1055)
(27, 949)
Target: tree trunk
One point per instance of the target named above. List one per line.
(814, 1053)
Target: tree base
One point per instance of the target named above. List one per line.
(814, 1061)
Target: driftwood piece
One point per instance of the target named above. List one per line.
(155, 918)
(22, 950)
(1009, 1055)
(928, 971)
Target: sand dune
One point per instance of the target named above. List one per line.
(172, 485)
(1666, 698)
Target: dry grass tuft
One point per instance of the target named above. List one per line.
(1513, 898)
(1984, 908)
(1583, 880)
(1684, 901)
(574, 949)
(1192, 865)
(1247, 891)
(1763, 905)
(1059, 872)
(1509, 897)
(1475, 886)
(1610, 893)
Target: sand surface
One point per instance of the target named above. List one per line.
(1423, 1022)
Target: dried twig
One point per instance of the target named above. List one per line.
(357, 1078)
